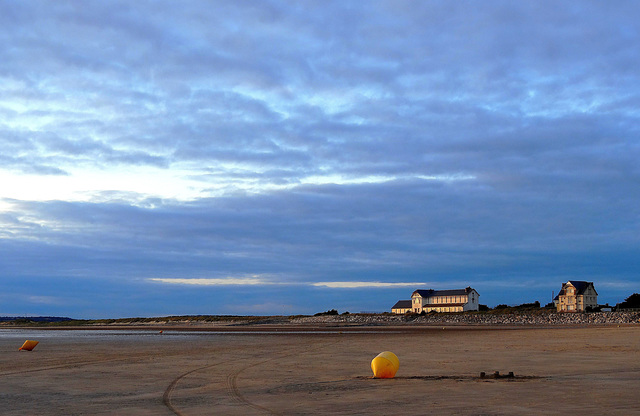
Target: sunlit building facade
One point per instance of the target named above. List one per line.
(576, 296)
(456, 300)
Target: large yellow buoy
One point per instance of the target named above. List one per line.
(28, 345)
(385, 365)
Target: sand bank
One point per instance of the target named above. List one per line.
(322, 370)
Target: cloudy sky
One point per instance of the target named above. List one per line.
(283, 157)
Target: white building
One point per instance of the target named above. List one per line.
(401, 307)
(456, 300)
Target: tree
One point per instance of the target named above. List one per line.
(329, 312)
(632, 301)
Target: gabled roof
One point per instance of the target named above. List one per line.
(453, 292)
(402, 304)
(581, 287)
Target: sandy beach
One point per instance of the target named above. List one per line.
(317, 370)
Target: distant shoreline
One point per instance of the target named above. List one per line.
(346, 322)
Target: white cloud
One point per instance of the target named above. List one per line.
(256, 280)
(46, 300)
(83, 185)
(359, 285)
(229, 281)
(178, 184)
(620, 285)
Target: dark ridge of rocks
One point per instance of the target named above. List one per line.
(595, 318)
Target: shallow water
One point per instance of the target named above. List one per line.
(76, 334)
(125, 334)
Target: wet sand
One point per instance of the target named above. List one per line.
(319, 371)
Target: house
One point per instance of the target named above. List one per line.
(401, 307)
(456, 300)
(576, 296)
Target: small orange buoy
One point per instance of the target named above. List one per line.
(385, 365)
(28, 345)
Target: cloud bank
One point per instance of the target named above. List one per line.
(326, 145)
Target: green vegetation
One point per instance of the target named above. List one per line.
(632, 302)
(329, 312)
(61, 322)
(528, 308)
(34, 320)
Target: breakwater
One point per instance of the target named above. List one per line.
(595, 318)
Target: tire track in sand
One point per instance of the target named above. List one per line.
(231, 387)
(166, 397)
(232, 382)
(83, 363)
(232, 378)
(237, 396)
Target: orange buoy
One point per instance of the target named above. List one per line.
(28, 345)
(385, 365)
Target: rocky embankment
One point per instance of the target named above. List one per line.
(596, 318)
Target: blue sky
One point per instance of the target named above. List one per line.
(280, 157)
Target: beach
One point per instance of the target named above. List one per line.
(319, 370)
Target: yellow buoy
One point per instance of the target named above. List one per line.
(385, 365)
(28, 345)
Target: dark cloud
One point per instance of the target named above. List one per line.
(491, 143)
(408, 224)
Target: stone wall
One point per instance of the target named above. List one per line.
(596, 318)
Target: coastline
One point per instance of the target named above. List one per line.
(350, 322)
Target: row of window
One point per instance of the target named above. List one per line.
(573, 299)
(445, 309)
(443, 299)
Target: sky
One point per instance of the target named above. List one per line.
(280, 157)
